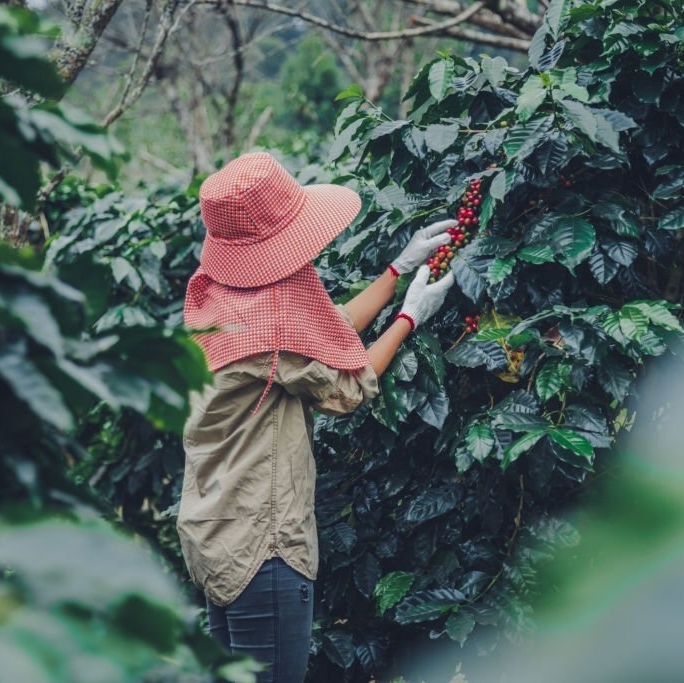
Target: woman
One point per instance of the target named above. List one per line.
(280, 349)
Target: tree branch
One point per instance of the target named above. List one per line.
(468, 35)
(71, 54)
(133, 93)
(431, 30)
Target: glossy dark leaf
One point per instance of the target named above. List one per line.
(338, 645)
(434, 409)
(603, 268)
(440, 78)
(471, 354)
(372, 653)
(524, 139)
(620, 251)
(480, 441)
(432, 503)
(459, 626)
(615, 378)
(439, 137)
(521, 446)
(572, 441)
(428, 605)
(366, 573)
(343, 537)
(391, 588)
(549, 59)
(537, 46)
(471, 274)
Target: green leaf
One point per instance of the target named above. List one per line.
(520, 446)
(405, 365)
(551, 378)
(615, 378)
(630, 321)
(480, 441)
(672, 220)
(500, 269)
(431, 354)
(581, 116)
(603, 269)
(343, 140)
(366, 573)
(470, 273)
(518, 421)
(556, 15)
(501, 184)
(122, 269)
(439, 137)
(572, 441)
(343, 537)
(439, 78)
(620, 251)
(573, 240)
(353, 91)
(494, 69)
(532, 94)
(471, 354)
(428, 605)
(434, 410)
(550, 58)
(537, 46)
(32, 387)
(459, 626)
(536, 253)
(523, 139)
(486, 211)
(492, 333)
(391, 588)
(568, 85)
(432, 503)
(387, 408)
(387, 128)
(339, 647)
(658, 312)
(606, 135)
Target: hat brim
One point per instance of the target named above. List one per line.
(326, 211)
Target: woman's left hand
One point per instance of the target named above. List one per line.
(422, 244)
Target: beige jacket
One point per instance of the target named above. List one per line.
(248, 487)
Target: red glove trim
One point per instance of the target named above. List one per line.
(406, 316)
(393, 270)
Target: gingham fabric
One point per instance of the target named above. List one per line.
(262, 225)
(294, 314)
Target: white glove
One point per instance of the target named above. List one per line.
(421, 245)
(423, 300)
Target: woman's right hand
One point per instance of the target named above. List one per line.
(423, 300)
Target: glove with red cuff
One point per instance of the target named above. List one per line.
(421, 245)
(423, 300)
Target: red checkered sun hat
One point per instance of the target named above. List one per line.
(262, 225)
(256, 289)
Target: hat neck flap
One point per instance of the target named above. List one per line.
(294, 314)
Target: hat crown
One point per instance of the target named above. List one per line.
(249, 199)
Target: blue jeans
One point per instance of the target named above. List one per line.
(271, 621)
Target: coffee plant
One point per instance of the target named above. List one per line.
(437, 501)
(80, 598)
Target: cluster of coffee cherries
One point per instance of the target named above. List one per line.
(471, 323)
(468, 222)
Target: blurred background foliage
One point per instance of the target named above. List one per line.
(443, 503)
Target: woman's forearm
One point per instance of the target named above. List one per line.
(385, 348)
(366, 305)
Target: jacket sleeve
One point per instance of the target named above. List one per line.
(330, 391)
